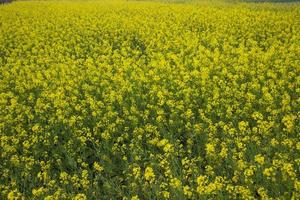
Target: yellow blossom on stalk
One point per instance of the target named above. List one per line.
(288, 171)
(224, 151)
(175, 183)
(136, 172)
(80, 197)
(162, 143)
(105, 135)
(97, 167)
(243, 126)
(260, 159)
(288, 122)
(217, 185)
(209, 170)
(168, 148)
(263, 193)
(135, 197)
(187, 191)
(210, 149)
(274, 142)
(189, 113)
(36, 128)
(38, 192)
(269, 173)
(43, 176)
(257, 116)
(50, 197)
(297, 185)
(15, 160)
(75, 181)
(85, 181)
(64, 177)
(248, 172)
(14, 195)
(166, 194)
(298, 146)
(202, 182)
(149, 174)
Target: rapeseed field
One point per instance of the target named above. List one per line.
(141, 100)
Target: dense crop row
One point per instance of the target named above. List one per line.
(149, 101)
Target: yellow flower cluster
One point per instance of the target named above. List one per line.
(149, 100)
